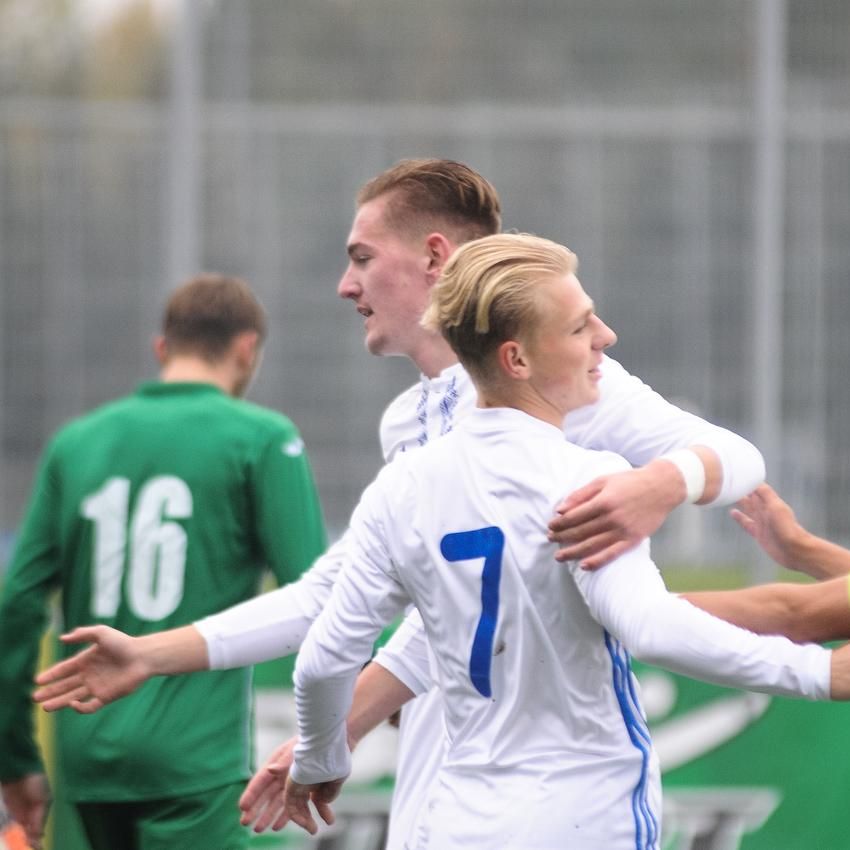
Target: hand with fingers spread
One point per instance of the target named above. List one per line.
(111, 667)
(262, 801)
(612, 514)
(772, 524)
(297, 797)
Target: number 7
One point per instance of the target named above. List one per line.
(487, 543)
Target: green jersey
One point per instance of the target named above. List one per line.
(149, 513)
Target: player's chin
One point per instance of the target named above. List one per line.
(591, 392)
(376, 343)
(383, 346)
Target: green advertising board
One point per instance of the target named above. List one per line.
(748, 771)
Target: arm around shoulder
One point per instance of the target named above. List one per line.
(629, 600)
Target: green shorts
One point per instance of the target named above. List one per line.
(209, 820)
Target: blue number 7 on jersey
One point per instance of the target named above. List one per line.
(487, 543)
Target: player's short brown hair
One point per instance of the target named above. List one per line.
(487, 293)
(205, 314)
(428, 195)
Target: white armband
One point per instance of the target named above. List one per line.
(691, 466)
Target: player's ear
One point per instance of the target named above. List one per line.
(438, 249)
(160, 349)
(512, 360)
(246, 346)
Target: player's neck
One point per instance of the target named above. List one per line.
(520, 396)
(432, 356)
(194, 370)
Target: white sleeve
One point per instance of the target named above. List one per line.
(629, 599)
(273, 624)
(366, 596)
(630, 418)
(406, 655)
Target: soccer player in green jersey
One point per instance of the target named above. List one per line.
(148, 513)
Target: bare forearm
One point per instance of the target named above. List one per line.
(818, 557)
(804, 613)
(377, 696)
(180, 650)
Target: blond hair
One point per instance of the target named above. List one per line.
(487, 293)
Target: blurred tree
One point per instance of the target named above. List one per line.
(82, 48)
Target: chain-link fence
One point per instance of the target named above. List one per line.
(695, 156)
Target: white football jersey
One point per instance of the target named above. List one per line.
(546, 743)
(629, 418)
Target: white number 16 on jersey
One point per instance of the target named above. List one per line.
(156, 555)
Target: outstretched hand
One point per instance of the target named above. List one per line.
(262, 801)
(105, 671)
(771, 523)
(612, 514)
(297, 797)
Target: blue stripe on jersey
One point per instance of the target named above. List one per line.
(422, 415)
(447, 407)
(646, 822)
